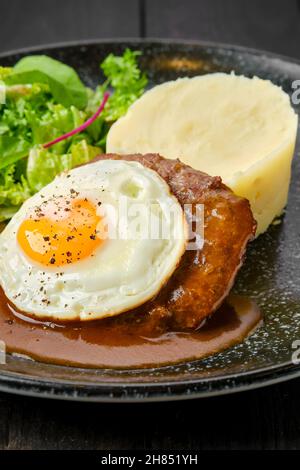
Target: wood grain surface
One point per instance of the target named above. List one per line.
(272, 25)
(261, 419)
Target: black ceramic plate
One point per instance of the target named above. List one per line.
(271, 274)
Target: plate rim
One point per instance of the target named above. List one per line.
(15, 383)
(118, 392)
(153, 40)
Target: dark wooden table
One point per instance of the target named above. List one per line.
(262, 419)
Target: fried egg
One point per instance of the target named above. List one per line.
(97, 241)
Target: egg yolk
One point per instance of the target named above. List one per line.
(60, 232)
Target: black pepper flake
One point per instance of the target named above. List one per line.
(46, 239)
(72, 191)
(52, 260)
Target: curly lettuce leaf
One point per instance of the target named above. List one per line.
(127, 81)
(34, 119)
(125, 77)
(123, 72)
(43, 165)
(15, 129)
(57, 120)
(13, 192)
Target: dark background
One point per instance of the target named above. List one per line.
(266, 24)
(262, 419)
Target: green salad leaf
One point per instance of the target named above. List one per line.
(45, 99)
(127, 80)
(124, 76)
(16, 135)
(13, 192)
(43, 165)
(5, 72)
(64, 83)
(56, 120)
(12, 149)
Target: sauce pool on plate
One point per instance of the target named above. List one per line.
(125, 343)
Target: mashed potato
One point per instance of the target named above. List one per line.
(241, 129)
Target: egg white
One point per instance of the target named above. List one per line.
(121, 274)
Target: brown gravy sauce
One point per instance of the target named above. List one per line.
(118, 343)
